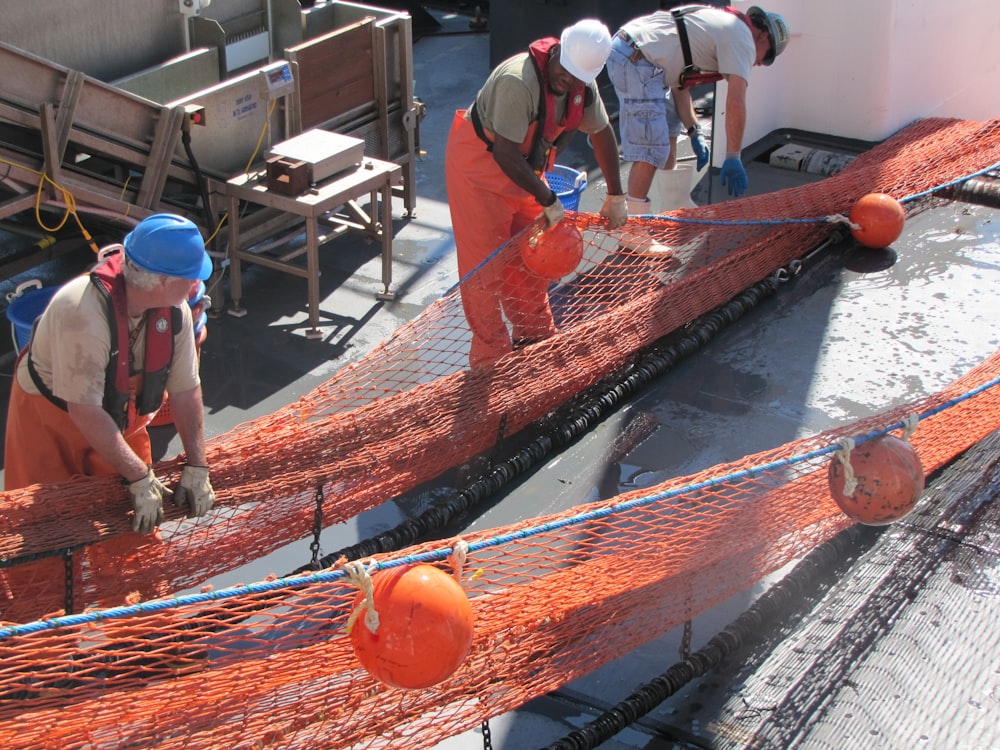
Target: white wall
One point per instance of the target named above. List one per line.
(865, 68)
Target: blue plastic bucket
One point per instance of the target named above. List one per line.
(24, 309)
(196, 296)
(568, 185)
(197, 292)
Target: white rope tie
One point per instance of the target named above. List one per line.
(910, 425)
(844, 454)
(841, 219)
(457, 558)
(361, 577)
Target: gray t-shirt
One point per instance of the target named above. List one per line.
(720, 43)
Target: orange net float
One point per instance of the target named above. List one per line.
(877, 220)
(885, 481)
(555, 252)
(424, 627)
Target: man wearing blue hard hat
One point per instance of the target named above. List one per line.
(101, 356)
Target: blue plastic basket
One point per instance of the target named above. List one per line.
(568, 185)
(26, 304)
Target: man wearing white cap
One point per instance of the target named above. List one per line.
(498, 153)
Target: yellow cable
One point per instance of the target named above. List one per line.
(263, 131)
(68, 198)
(246, 170)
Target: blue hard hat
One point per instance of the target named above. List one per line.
(170, 245)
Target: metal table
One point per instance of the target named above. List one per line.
(332, 202)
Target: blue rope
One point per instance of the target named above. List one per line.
(950, 184)
(741, 223)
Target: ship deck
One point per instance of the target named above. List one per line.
(896, 648)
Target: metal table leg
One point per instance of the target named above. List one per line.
(386, 220)
(233, 253)
(312, 276)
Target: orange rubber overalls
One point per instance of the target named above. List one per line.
(43, 444)
(487, 209)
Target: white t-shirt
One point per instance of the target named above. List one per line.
(72, 345)
(720, 43)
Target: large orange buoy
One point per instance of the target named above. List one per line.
(890, 480)
(424, 631)
(880, 219)
(555, 252)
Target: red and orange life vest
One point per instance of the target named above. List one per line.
(161, 324)
(538, 144)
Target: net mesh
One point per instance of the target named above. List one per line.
(554, 597)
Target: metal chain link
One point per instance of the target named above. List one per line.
(487, 737)
(68, 582)
(686, 640)
(317, 529)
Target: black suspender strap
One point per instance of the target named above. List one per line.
(42, 388)
(477, 125)
(689, 67)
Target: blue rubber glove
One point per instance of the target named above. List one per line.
(734, 175)
(700, 148)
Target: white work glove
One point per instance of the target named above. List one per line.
(615, 211)
(194, 491)
(554, 211)
(147, 500)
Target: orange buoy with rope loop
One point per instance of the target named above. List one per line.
(877, 482)
(555, 252)
(877, 220)
(422, 629)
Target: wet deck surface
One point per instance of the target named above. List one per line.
(854, 333)
(899, 652)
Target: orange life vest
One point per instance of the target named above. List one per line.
(540, 145)
(161, 323)
(540, 51)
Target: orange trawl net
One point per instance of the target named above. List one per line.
(403, 415)
(271, 665)
(413, 408)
